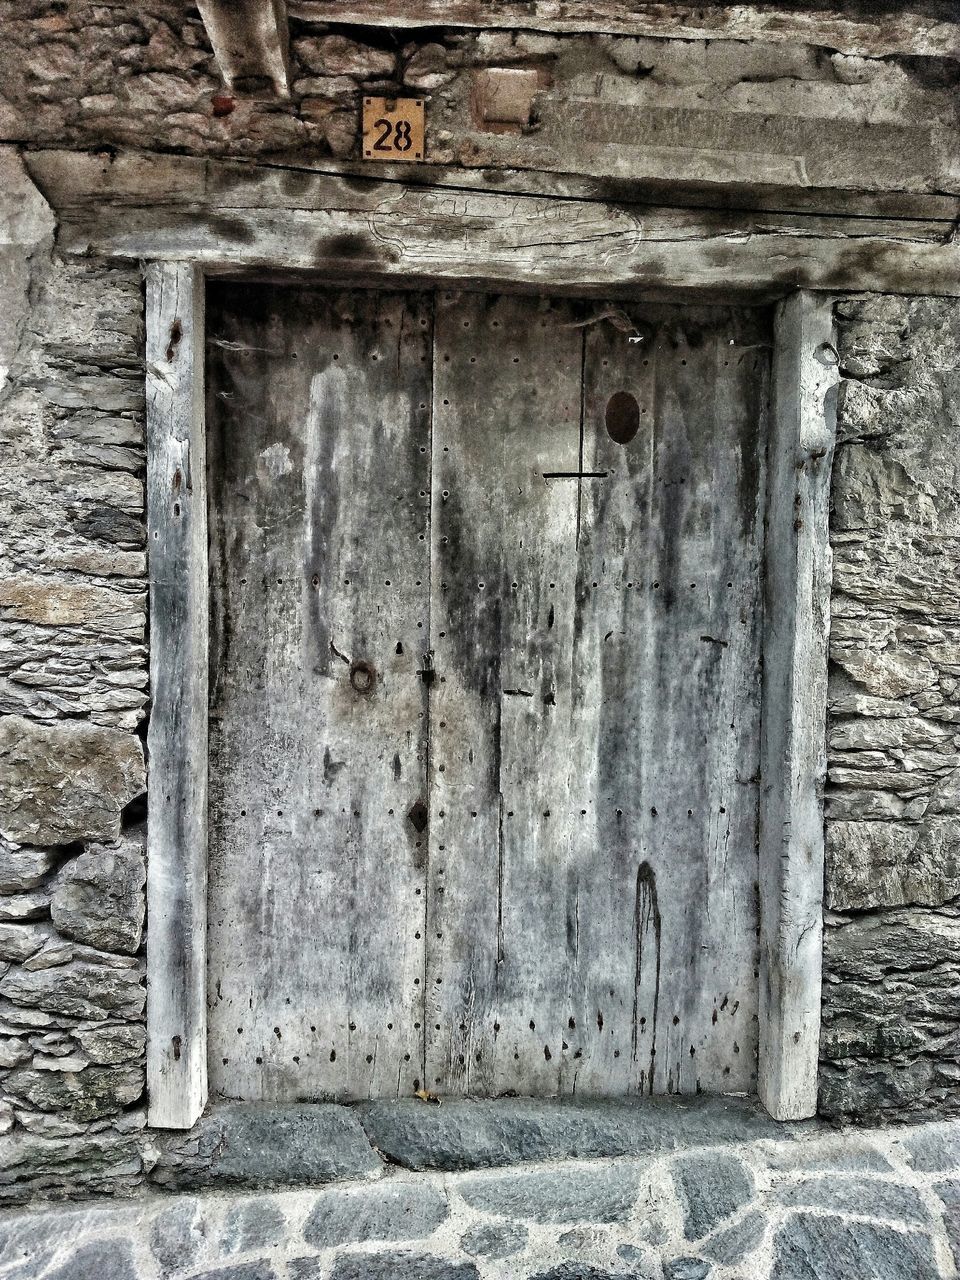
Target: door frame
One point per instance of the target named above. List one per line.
(797, 554)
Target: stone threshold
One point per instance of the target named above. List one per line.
(262, 1145)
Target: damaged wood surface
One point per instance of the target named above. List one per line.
(177, 739)
(319, 424)
(485, 640)
(596, 621)
(230, 217)
(798, 584)
(250, 40)
(930, 30)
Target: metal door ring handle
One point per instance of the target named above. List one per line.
(363, 676)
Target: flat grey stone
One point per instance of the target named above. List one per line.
(482, 1134)
(583, 1271)
(252, 1224)
(262, 1145)
(867, 1197)
(561, 1195)
(949, 1193)
(65, 781)
(241, 1271)
(97, 898)
(840, 1152)
(686, 1269)
(811, 1247)
(108, 1259)
(304, 1269)
(178, 1236)
(398, 1211)
(711, 1187)
(400, 1266)
(934, 1148)
(494, 1240)
(736, 1242)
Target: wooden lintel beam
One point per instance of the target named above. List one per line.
(246, 218)
(250, 40)
(863, 29)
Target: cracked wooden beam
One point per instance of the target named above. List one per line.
(848, 26)
(250, 40)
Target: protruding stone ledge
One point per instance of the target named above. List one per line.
(248, 1144)
(482, 1134)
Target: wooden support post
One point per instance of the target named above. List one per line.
(250, 41)
(177, 741)
(793, 750)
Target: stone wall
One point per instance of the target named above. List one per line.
(891, 1037)
(73, 687)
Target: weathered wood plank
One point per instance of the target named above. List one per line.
(794, 704)
(319, 438)
(870, 30)
(342, 227)
(597, 624)
(667, 665)
(73, 179)
(177, 740)
(250, 41)
(506, 411)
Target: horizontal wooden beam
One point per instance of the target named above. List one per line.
(234, 217)
(871, 30)
(250, 42)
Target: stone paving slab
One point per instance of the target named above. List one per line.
(811, 1205)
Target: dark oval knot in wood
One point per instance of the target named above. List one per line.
(623, 417)
(363, 676)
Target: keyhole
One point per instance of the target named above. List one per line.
(623, 417)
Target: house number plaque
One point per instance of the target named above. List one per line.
(393, 128)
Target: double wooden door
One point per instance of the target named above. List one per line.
(485, 696)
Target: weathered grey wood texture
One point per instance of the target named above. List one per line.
(593, 856)
(586, 919)
(794, 700)
(177, 741)
(240, 218)
(868, 29)
(319, 411)
(251, 41)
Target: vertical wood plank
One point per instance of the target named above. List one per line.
(667, 667)
(319, 435)
(177, 738)
(798, 572)
(506, 416)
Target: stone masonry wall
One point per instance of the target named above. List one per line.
(73, 687)
(891, 1035)
(73, 656)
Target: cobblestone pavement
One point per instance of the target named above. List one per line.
(825, 1206)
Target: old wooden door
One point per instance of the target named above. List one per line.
(485, 710)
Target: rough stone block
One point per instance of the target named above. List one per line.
(400, 1266)
(481, 1134)
(252, 1225)
(811, 1247)
(66, 781)
(89, 1094)
(711, 1187)
(23, 869)
(261, 1145)
(548, 1195)
(98, 897)
(78, 990)
(119, 1042)
(494, 1241)
(338, 56)
(400, 1211)
(869, 1197)
(886, 864)
(20, 941)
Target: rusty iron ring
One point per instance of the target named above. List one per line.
(363, 676)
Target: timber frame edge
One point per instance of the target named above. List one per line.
(793, 746)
